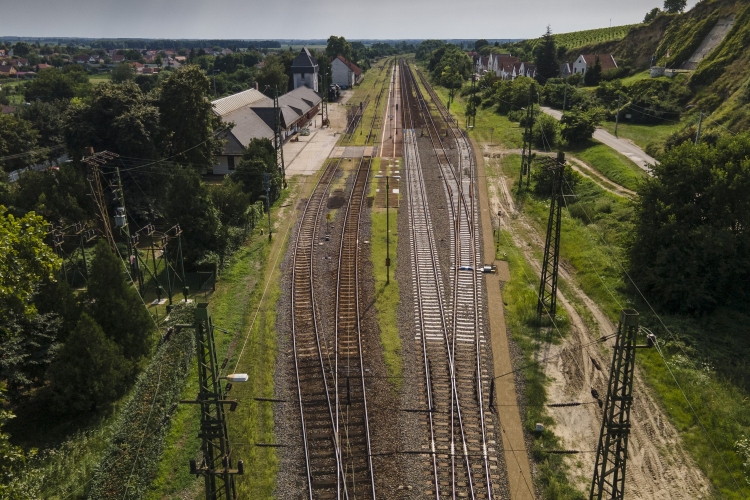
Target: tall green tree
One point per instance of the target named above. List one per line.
(273, 76)
(116, 306)
(188, 124)
(427, 47)
(52, 84)
(122, 73)
(593, 75)
(188, 203)
(18, 136)
(545, 57)
(118, 118)
(480, 43)
(258, 159)
(691, 240)
(90, 371)
(338, 45)
(17, 481)
(674, 6)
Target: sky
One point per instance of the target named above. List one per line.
(308, 19)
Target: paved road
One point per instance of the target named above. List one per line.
(626, 148)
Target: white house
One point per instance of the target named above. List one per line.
(305, 70)
(344, 73)
(586, 61)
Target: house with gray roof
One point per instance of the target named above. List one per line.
(305, 70)
(252, 114)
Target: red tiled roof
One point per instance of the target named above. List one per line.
(607, 61)
(118, 58)
(350, 65)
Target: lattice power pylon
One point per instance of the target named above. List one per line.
(612, 451)
(216, 463)
(278, 140)
(547, 302)
(526, 155)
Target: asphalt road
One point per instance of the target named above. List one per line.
(626, 148)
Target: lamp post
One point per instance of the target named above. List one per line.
(387, 225)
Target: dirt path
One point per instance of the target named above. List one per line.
(658, 465)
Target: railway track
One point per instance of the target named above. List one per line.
(323, 464)
(352, 422)
(449, 324)
(330, 374)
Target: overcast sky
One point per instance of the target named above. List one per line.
(261, 19)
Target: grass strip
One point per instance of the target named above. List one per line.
(387, 296)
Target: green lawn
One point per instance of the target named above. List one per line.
(642, 135)
(233, 307)
(610, 163)
(643, 75)
(99, 78)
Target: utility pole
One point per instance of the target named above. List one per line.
(278, 142)
(547, 301)
(698, 135)
(216, 462)
(617, 115)
(612, 451)
(267, 187)
(324, 90)
(94, 160)
(527, 139)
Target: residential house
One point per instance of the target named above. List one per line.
(586, 61)
(344, 73)
(118, 58)
(82, 59)
(42, 66)
(2, 52)
(7, 70)
(305, 70)
(253, 116)
(20, 62)
(226, 52)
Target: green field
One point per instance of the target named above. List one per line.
(611, 164)
(642, 135)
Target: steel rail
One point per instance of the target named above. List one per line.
(413, 175)
(306, 234)
(462, 141)
(451, 336)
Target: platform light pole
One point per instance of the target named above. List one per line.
(387, 225)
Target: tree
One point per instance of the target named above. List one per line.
(231, 201)
(187, 121)
(25, 261)
(337, 45)
(258, 159)
(480, 43)
(546, 132)
(90, 371)
(674, 6)
(691, 241)
(593, 75)
(118, 118)
(17, 136)
(188, 203)
(51, 84)
(17, 481)
(545, 56)
(116, 306)
(427, 47)
(273, 76)
(48, 118)
(577, 126)
(651, 15)
(122, 73)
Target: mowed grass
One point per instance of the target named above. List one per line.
(708, 356)
(612, 165)
(387, 296)
(371, 85)
(642, 135)
(233, 308)
(99, 78)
